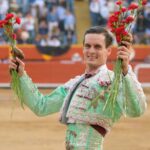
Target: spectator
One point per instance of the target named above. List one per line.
(70, 5)
(43, 28)
(32, 14)
(147, 22)
(24, 38)
(111, 5)
(94, 12)
(69, 24)
(51, 3)
(69, 21)
(53, 41)
(141, 27)
(2, 41)
(52, 19)
(40, 4)
(3, 8)
(61, 13)
(104, 13)
(29, 25)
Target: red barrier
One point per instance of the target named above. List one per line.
(31, 52)
(58, 71)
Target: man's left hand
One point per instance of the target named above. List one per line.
(124, 53)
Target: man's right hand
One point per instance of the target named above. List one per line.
(13, 65)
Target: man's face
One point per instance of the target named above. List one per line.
(94, 50)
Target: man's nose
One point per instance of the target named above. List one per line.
(92, 50)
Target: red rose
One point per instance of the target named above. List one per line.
(18, 20)
(9, 16)
(129, 19)
(144, 2)
(119, 2)
(133, 6)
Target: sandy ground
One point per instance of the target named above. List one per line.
(22, 130)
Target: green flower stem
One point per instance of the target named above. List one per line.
(15, 85)
(15, 82)
(110, 102)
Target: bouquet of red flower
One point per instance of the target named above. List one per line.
(120, 23)
(7, 24)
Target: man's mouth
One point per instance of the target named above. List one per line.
(91, 58)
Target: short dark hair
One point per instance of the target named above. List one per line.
(100, 30)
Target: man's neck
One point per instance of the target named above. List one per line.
(92, 69)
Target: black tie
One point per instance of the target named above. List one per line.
(69, 97)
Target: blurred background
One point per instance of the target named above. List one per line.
(50, 35)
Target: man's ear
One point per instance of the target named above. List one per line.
(109, 49)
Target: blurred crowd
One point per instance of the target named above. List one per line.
(100, 11)
(43, 22)
(53, 22)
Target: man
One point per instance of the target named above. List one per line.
(87, 123)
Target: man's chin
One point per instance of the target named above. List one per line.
(92, 65)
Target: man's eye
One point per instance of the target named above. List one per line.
(87, 46)
(97, 47)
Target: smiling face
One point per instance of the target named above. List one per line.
(95, 51)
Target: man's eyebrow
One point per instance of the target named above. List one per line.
(98, 45)
(87, 44)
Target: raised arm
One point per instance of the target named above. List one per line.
(41, 105)
(133, 100)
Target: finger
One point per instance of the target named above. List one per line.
(12, 66)
(12, 60)
(122, 48)
(123, 53)
(20, 61)
(123, 57)
(129, 38)
(125, 43)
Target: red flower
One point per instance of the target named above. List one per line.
(9, 16)
(129, 19)
(133, 6)
(14, 36)
(119, 2)
(118, 38)
(113, 30)
(123, 21)
(117, 13)
(8, 24)
(124, 33)
(119, 30)
(2, 23)
(123, 9)
(144, 2)
(113, 18)
(18, 20)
